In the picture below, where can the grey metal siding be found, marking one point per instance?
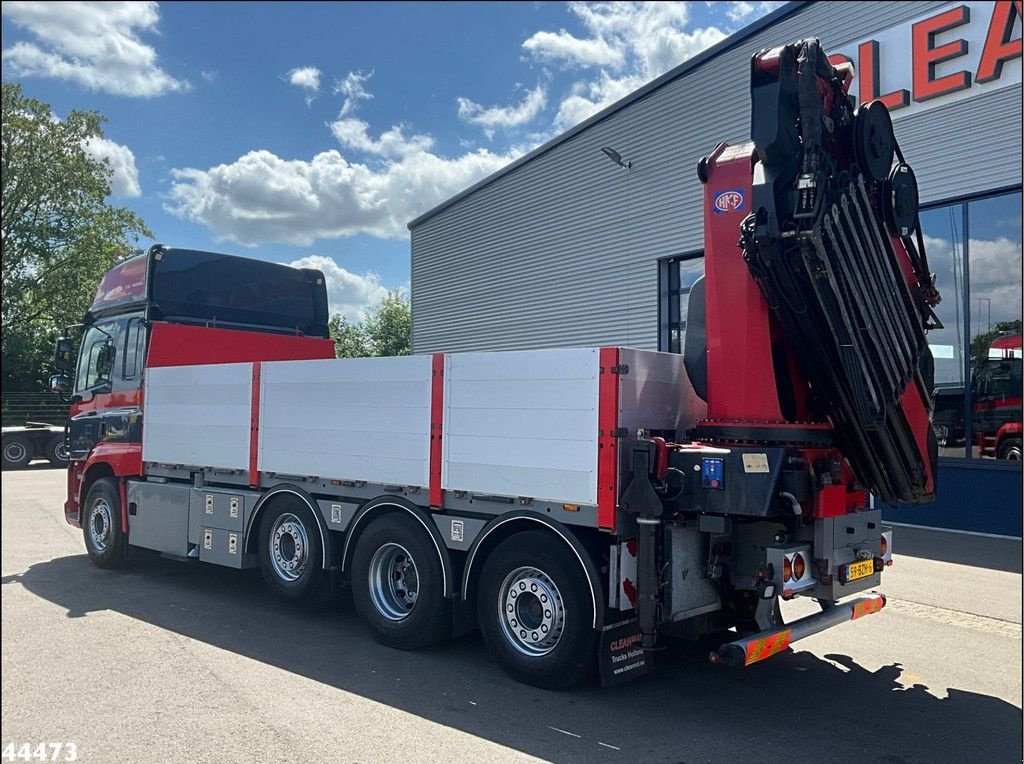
(562, 251)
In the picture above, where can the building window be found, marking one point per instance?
(676, 276)
(943, 229)
(994, 286)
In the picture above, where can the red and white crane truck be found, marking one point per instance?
(573, 504)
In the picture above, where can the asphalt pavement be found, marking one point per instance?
(166, 661)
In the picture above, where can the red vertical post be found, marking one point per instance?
(254, 425)
(436, 419)
(607, 441)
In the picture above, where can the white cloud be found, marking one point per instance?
(96, 45)
(353, 87)
(307, 78)
(631, 42)
(746, 11)
(349, 294)
(353, 133)
(992, 261)
(587, 98)
(563, 46)
(494, 117)
(124, 179)
(261, 197)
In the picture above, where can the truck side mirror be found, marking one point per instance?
(60, 384)
(63, 354)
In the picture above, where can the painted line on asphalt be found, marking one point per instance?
(982, 623)
(951, 530)
(564, 732)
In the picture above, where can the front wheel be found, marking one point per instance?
(1010, 449)
(104, 535)
(536, 612)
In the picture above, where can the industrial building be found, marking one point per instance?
(568, 247)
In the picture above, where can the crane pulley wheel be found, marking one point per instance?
(873, 138)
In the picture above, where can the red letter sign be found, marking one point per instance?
(867, 60)
(927, 56)
(999, 48)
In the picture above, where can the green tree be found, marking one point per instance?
(349, 339)
(384, 331)
(58, 233)
(389, 325)
(980, 343)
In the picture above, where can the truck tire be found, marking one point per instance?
(398, 584)
(535, 611)
(57, 451)
(17, 452)
(291, 553)
(101, 524)
(1010, 449)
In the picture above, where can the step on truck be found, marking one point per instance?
(575, 505)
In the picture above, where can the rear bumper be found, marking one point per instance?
(757, 647)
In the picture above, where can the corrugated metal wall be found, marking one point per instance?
(563, 250)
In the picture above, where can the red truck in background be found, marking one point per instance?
(996, 411)
(996, 401)
(573, 504)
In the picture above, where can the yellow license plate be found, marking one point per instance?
(861, 569)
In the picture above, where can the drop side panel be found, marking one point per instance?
(354, 418)
(522, 424)
(198, 415)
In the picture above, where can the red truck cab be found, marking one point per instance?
(174, 307)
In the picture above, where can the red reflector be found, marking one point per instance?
(885, 546)
(787, 569)
(799, 566)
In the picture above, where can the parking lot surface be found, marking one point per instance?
(166, 661)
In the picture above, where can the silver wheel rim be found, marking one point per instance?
(531, 611)
(394, 581)
(289, 547)
(100, 524)
(1013, 454)
(15, 452)
(61, 451)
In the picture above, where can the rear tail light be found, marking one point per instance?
(787, 569)
(885, 545)
(799, 566)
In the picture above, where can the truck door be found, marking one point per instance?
(105, 406)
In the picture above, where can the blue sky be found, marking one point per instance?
(313, 132)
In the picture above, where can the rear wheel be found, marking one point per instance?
(17, 452)
(57, 451)
(101, 525)
(292, 554)
(398, 584)
(535, 611)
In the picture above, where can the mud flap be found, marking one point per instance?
(621, 656)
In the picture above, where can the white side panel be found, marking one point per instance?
(522, 424)
(354, 418)
(656, 394)
(198, 415)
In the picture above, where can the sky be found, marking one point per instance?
(312, 133)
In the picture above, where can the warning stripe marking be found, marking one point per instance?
(867, 608)
(766, 647)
